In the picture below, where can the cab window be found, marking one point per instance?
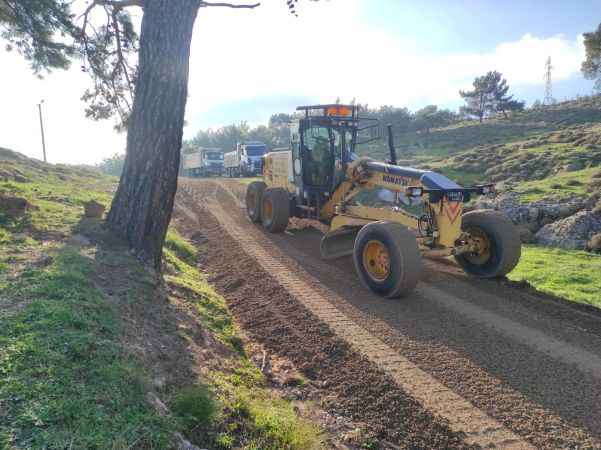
(318, 159)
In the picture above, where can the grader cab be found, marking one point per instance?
(384, 215)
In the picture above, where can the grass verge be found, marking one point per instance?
(234, 407)
(574, 275)
(69, 374)
(67, 381)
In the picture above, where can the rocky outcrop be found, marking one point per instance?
(568, 223)
(12, 174)
(573, 232)
(535, 215)
(14, 206)
(93, 209)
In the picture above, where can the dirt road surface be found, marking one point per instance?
(461, 363)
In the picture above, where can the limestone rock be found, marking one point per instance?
(594, 245)
(15, 206)
(573, 232)
(573, 166)
(93, 209)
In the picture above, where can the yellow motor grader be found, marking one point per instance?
(386, 216)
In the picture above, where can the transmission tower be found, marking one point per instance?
(548, 83)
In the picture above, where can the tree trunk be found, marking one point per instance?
(142, 206)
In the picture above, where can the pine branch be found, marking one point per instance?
(204, 4)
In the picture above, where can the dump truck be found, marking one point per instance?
(386, 216)
(203, 162)
(246, 160)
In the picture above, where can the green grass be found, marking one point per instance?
(461, 177)
(182, 248)
(574, 275)
(67, 380)
(243, 413)
(58, 192)
(269, 422)
(211, 307)
(558, 186)
(195, 405)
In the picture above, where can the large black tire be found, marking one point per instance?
(503, 245)
(275, 209)
(254, 198)
(403, 256)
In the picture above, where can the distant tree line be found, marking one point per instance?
(488, 97)
(277, 133)
(112, 165)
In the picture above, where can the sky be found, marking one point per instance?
(247, 65)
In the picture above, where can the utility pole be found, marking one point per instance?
(42, 129)
(548, 83)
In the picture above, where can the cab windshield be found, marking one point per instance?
(214, 156)
(255, 151)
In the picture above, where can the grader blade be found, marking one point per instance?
(339, 243)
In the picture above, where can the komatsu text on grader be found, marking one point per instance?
(385, 215)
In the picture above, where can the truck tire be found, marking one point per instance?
(275, 209)
(501, 248)
(387, 259)
(254, 198)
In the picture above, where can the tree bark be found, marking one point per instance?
(142, 206)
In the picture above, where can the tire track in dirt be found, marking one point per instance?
(480, 429)
(551, 415)
(537, 340)
(350, 385)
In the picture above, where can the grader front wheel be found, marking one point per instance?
(387, 259)
(498, 244)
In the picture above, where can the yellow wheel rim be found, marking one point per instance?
(483, 247)
(376, 260)
(267, 209)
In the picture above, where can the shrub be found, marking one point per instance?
(194, 405)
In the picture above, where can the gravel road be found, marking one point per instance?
(465, 362)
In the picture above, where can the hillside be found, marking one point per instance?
(549, 129)
(97, 352)
(545, 153)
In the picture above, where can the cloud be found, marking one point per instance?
(240, 57)
(329, 52)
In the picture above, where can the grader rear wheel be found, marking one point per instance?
(254, 198)
(387, 259)
(498, 242)
(275, 209)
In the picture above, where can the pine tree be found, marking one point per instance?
(480, 100)
(591, 67)
(41, 30)
(148, 96)
(489, 95)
